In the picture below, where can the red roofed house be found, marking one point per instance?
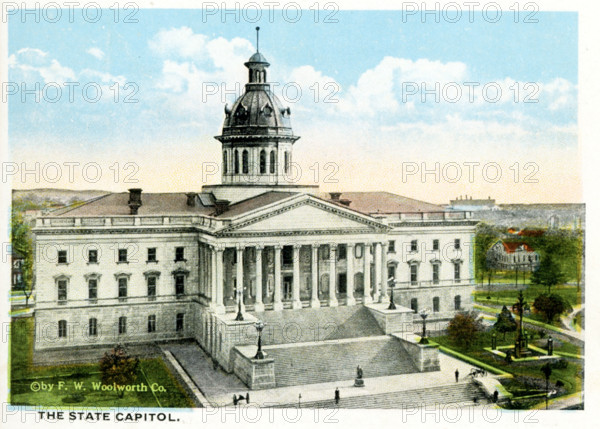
(513, 256)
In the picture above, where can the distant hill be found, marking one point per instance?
(50, 197)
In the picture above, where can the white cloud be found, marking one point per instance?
(96, 52)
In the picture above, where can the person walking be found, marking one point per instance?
(456, 375)
(337, 396)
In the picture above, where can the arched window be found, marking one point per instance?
(272, 162)
(225, 162)
(245, 161)
(436, 304)
(236, 162)
(286, 164)
(457, 302)
(62, 329)
(263, 162)
(93, 327)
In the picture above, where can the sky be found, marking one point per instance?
(382, 100)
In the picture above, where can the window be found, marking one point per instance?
(62, 290)
(179, 284)
(236, 162)
(245, 162)
(414, 274)
(263, 162)
(436, 304)
(151, 286)
(122, 325)
(457, 243)
(414, 306)
(392, 246)
(342, 251)
(62, 256)
(436, 274)
(457, 271)
(92, 256)
(62, 329)
(179, 322)
(413, 246)
(391, 271)
(179, 254)
(122, 287)
(436, 244)
(224, 162)
(152, 323)
(288, 255)
(287, 162)
(272, 162)
(122, 255)
(457, 302)
(92, 288)
(152, 254)
(359, 250)
(93, 327)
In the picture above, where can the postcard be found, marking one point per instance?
(294, 212)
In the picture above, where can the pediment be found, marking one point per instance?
(307, 215)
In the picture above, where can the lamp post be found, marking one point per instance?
(260, 325)
(391, 283)
(547, 370)
(519, 306)
(424, 313)
(239, 316)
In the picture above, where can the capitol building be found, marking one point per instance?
(206, 265)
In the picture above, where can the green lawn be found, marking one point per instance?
(509, 297)
(78, 388)
(527, 377)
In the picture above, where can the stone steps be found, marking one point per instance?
(317, 324)
(459, 393)
(333, 361)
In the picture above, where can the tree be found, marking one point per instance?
(485, 236)
(505, 322)
(550, 306)
(549, 273)
(118, 368)
(21, 242)
(464, 328)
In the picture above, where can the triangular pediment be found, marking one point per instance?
(304, 215)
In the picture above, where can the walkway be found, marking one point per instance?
(219, 387)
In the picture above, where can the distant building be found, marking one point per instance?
(468, 203)
(512, 256)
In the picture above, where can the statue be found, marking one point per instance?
(358, 381)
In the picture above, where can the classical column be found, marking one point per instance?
(240, 275)
(218, 280)
(333, 302)
(259, 306)
(367, 298)
(314, 301)
(383, 297)
(296, 282)
(350, 274)
(277, 304)
(377, 268)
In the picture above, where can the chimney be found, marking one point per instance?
(191, 199)
(135, 200)
(335, 196)
(345, 202)
(221, 206)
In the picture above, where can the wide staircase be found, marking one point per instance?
(335, 360)
(459, 394)
(321, 324)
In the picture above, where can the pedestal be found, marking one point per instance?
(359, 382)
